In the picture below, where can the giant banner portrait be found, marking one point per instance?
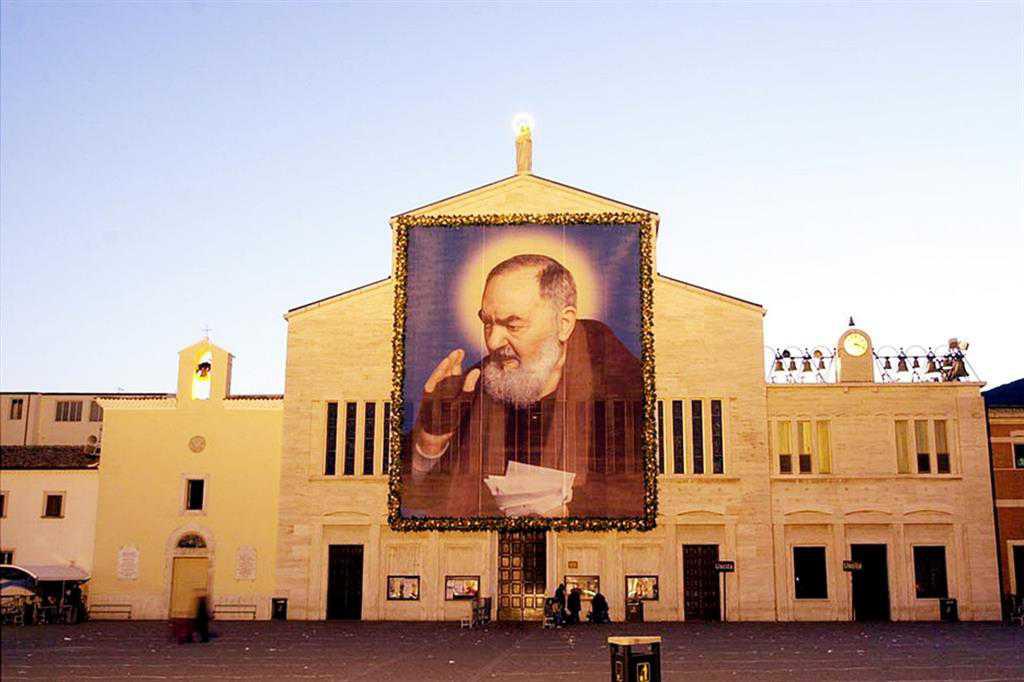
(523, 373)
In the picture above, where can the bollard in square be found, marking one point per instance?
(634, 611)
(631, 664)
(948, 610)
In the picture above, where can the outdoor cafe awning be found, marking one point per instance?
(55, 572)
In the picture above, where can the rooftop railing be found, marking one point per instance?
(892, 364)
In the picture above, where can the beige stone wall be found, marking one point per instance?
(865, 499)
(340, 351)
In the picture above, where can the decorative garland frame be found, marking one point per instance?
(646, 225)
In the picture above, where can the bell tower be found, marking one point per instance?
(204, 373)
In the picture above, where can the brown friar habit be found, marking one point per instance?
(590, 425)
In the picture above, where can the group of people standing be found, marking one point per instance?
(565, 608)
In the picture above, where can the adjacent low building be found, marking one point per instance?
(48, 509)
(53, 418)
(1005, 406)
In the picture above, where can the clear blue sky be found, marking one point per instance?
(169, 166)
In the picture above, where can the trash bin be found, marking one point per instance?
(631, 664)
(279, 608)
(948, 611)
(634, 611)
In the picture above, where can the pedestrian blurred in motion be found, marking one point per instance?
(203, 618)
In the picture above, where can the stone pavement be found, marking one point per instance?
(513, 652)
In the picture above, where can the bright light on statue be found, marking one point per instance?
(522, 123)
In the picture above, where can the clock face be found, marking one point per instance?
(856, 344)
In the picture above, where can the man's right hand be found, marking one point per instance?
(445, 384)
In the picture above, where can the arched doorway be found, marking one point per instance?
(190, 574)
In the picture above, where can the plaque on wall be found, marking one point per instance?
(245, 563)
(128, 563)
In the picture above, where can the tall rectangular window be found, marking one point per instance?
(698, 435)
(195, 494)
(678, 450)
(350, 439)
(637, 451)
(941, 448)
(600, 445)
(386, 447)
(924, 458)
(661, 436)
(53, 505)
(717, 438)
(331, 446)
(3, 505)
(824, 448)
(68, 411)
(618, 436)
(930, 573)
(1018, 455)
(369, 437)
(95, 412)
(902, 446)
(784, 446)
(809, 573)
(6, 556)
(803, 437)
(17, 406)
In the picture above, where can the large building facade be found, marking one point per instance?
(786, 481)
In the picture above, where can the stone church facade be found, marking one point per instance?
(810, 475)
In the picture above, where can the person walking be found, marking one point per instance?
(574, 605)
(202, 622)
(599, 609)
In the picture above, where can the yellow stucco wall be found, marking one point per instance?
(145, 462)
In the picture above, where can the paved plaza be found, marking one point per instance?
(436, 651)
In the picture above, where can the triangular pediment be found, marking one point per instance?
(524, 193)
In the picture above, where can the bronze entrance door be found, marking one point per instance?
(700, 583)
(522, 575)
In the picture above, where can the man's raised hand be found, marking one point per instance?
(445, 383)
(443, 376)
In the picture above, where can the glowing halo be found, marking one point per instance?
(523, 123)
(503, 243)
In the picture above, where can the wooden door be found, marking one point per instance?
(189, 581)
(522, 575)
(701, 600)
(345, 582)
(1018, 568)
